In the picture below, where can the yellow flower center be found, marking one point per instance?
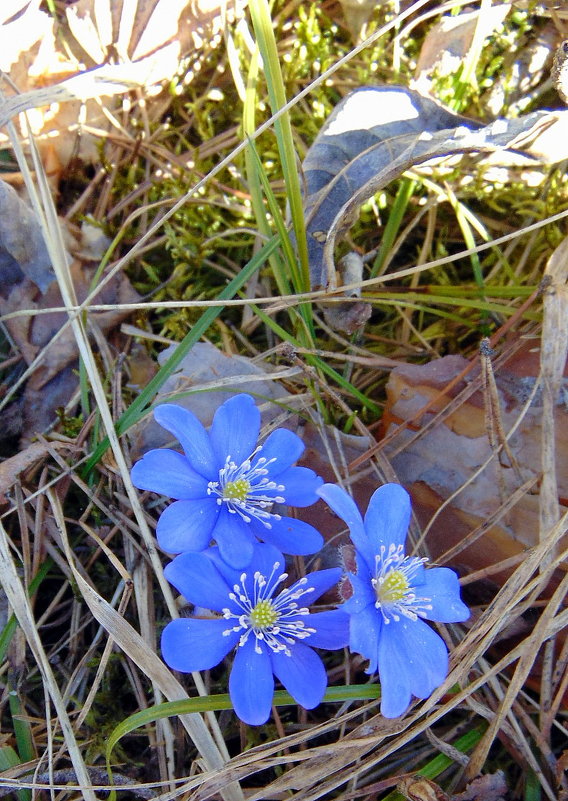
(236, 490)
(393, 588)
(264, 614)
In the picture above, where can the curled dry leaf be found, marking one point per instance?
(372, 137)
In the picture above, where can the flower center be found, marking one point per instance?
(236, 490)
(264, 614)
(393, 585)
(275, 621)
(393, 588)
(247, 489)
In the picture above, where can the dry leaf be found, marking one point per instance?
(372, 137)
(206, 367)
(22, 247)
(448, 42)
(463, 440)
(14, 466)
(357, 13)
(136, 44)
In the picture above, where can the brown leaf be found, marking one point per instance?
(491, 787)
(447, 43)
(417, 788)
(418, 393)
(13, 467)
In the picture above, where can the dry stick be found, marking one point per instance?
(20, 604)
(493, 419)
(61, 779)
(554, 346)
(526, 662)
(559, 684)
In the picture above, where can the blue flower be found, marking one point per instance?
(392, 596)
(225, 485)
(270, 627)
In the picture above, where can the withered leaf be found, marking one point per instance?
(373, 136)
(22, 247)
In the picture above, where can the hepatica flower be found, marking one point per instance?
(393, 595)
(270, 627)
(225, 484)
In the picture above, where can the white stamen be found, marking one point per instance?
(244, 489)
(283, 631)
(393, 585)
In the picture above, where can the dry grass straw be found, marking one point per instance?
(356, 746)
(211, 748)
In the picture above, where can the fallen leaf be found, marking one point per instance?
(22, 247)
(111, 46)
(448, 42)
(14, 466)
(418, 393)
(372, 137)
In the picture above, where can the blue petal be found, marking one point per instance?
(190, 644)
(364, 632)
(187, 525)
(318, 582)
(300, 486)
(251, 685)
(197, 579)
(235, 428)
(413, 660)
(191, 435)
(441, 585)
(168, 473)
(234, 538)
(231, 575)
(289, 535)
(344, 506)
(284, 447)
(388, 516)
(266, 560)
(302, 674)
(332, 629)
(363, 594)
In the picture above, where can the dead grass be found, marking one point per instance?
(83, 578)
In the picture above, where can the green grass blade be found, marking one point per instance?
(216, 703)
(22, 728)
(262, 23)
(405, 191)
(253, 173)
(306, 332)
(9, 759)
